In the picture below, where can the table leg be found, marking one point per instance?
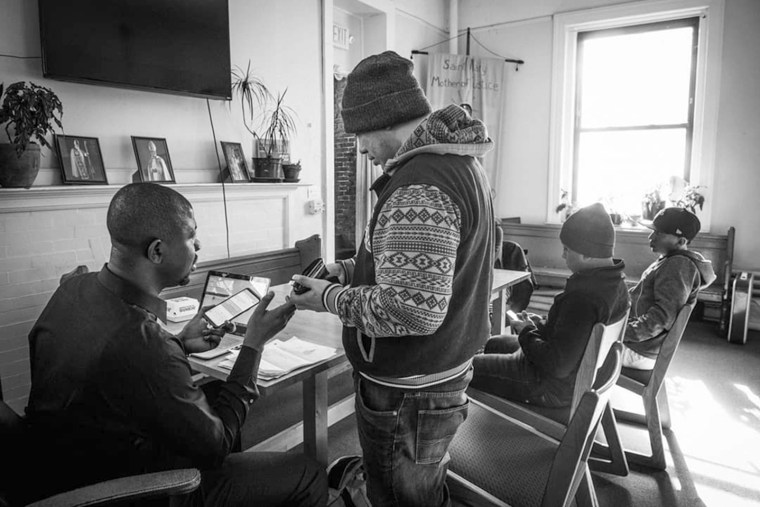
(315, 417)
(498, 324)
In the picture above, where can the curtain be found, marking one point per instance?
(479, 82)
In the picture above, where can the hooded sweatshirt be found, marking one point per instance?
(669, 283)
(416, 309)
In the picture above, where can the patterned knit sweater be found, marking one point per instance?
(425, 238)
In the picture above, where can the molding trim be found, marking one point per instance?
(23, 200)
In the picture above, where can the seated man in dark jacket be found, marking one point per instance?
(669, 283)
(539, 365)
(112, 391)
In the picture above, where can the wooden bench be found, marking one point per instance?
(545, 256)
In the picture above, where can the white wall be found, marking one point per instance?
(523, 29)
(50, 228)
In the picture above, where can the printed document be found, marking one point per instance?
(281, 357)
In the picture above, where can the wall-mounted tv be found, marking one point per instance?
(173, 46)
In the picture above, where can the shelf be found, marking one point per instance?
(54, 197)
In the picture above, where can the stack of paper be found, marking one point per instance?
(281, 357)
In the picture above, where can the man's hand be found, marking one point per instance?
(524, 319)
(199, 336)
(312, 298)
(335, 269)
(264, 324)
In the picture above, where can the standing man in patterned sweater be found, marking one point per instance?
(415, 300)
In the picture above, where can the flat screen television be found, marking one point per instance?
(173, 46)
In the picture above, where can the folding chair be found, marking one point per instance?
(649, 384)
(554, 421)
(504, 462)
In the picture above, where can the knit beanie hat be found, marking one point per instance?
(589, 231)
(381, 92)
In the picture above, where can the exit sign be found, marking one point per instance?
(340, 36)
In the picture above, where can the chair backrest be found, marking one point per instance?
(599, 345)
(309, 248)
(570, 462)
(668, 348)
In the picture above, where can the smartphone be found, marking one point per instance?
(316, 269)
(238, 303)
(512, 315)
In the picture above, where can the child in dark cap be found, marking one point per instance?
(539, 365)
(669, 283)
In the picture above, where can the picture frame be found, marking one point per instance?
(153, 161)
(81, 160)
(237, 165)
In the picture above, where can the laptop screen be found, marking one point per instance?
(221, 285)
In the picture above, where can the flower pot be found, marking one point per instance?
(19, 172)
(650, 209)
(291, 171)
(268, 169)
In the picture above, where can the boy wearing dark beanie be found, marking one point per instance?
(414, 300)
(539, 365)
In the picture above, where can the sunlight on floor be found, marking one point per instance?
(722, 450)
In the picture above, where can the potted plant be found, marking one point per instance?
(565, 206)
(273, 144)
(692, 198)
(291, 171)
(253, 94)
(652, 204)
(30, 111)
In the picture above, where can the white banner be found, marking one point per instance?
(479, 82)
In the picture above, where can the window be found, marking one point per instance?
(634, 111)
(634, 101)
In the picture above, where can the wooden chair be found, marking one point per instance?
(649, 384)
(503, 462)
(554, 421)
(20, 476)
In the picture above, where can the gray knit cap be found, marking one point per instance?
(589, 231)
(381, 92)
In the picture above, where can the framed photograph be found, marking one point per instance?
(153, 162)
(237, 166)
(81, 161)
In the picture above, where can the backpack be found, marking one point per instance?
(347, 484)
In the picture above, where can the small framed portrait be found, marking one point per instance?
(153, 162)
(237, 166)
(81, 161)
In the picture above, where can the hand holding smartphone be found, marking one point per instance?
(231, 307)
(316, 269)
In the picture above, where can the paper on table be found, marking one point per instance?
(281, 357)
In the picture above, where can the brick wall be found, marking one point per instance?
(345, 177)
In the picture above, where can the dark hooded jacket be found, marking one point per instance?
(669, 283)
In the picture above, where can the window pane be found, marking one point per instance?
(636, 79)
(620, 167)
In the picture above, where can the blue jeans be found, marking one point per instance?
(504, 370)
(405, 436)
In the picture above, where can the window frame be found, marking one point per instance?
(568, 26)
